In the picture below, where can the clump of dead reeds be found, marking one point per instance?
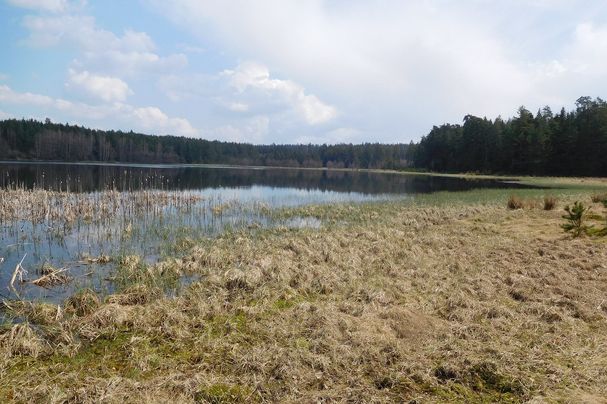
(34, 312)
(549, 202)
(515, 202)
(51, 276)
(597, 198)
(21, 339)
(135, 295)
(82, 304)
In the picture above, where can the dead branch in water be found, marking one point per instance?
(18, 271)
(54, 277)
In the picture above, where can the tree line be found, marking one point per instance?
(568, 143)
(35, 140)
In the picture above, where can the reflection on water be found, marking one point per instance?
(94, 211)
(96, 177)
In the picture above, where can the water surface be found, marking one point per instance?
(149, 210)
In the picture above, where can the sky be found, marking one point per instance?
(296, 71)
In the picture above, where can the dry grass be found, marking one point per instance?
(549, 202)
(464, 303)
(516, 202)
(597, 198)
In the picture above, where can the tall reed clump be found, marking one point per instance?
(596, 198)
(514, 202)
(575, 219)
(549, 202)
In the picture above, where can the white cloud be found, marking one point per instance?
(325, 70)
(190, 48)
(45, 5)
(339, 135)
(253, 130)
(80, 31)
(152, 118)
(4, 115)
(256, 77)
(396, 68)
(130, 54)
(147, 119)
(103, 87)
(238, 106)
(588, 49)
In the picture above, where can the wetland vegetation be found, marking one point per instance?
(321, 295)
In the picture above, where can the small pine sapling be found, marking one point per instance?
(575, 219)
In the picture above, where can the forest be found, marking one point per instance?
(567, 143)
(34, 140)
(570, 143)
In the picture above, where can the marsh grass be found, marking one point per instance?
(514, 202)
(436, 299)
(84, 234)
(598, 197)
(446, 297)
(549, 202)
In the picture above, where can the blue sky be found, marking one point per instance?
(287, 71)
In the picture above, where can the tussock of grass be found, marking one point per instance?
(549, 202)
(514, 202)
(385, 302)
(82, 304)
(597, 198)
(20, 340)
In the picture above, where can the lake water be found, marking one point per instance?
(116, 210)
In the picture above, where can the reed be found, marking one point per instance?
(458, 302)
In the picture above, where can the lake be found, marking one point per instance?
(80, 218)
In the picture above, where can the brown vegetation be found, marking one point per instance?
(549, 202)
(390, 302)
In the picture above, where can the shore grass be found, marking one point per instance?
(447, 297)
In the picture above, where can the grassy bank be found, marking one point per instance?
(450, 297)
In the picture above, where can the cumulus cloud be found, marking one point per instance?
(147, 119)
(45, 5)
(256, 77)
(80, 31)
(237, 106)
(131, 53)
(253, 130)
(152, 118)
(395, 69)
(328, 70)
(338, 135)
(103, 87)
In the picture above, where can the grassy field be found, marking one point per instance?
(448, 297)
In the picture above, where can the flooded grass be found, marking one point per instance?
(178, 296)
(86, 235)
(387, 301)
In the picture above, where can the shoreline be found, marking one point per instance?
(524, 179)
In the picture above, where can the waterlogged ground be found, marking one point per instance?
(86, 235)
(68, 227)
(453, 298)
